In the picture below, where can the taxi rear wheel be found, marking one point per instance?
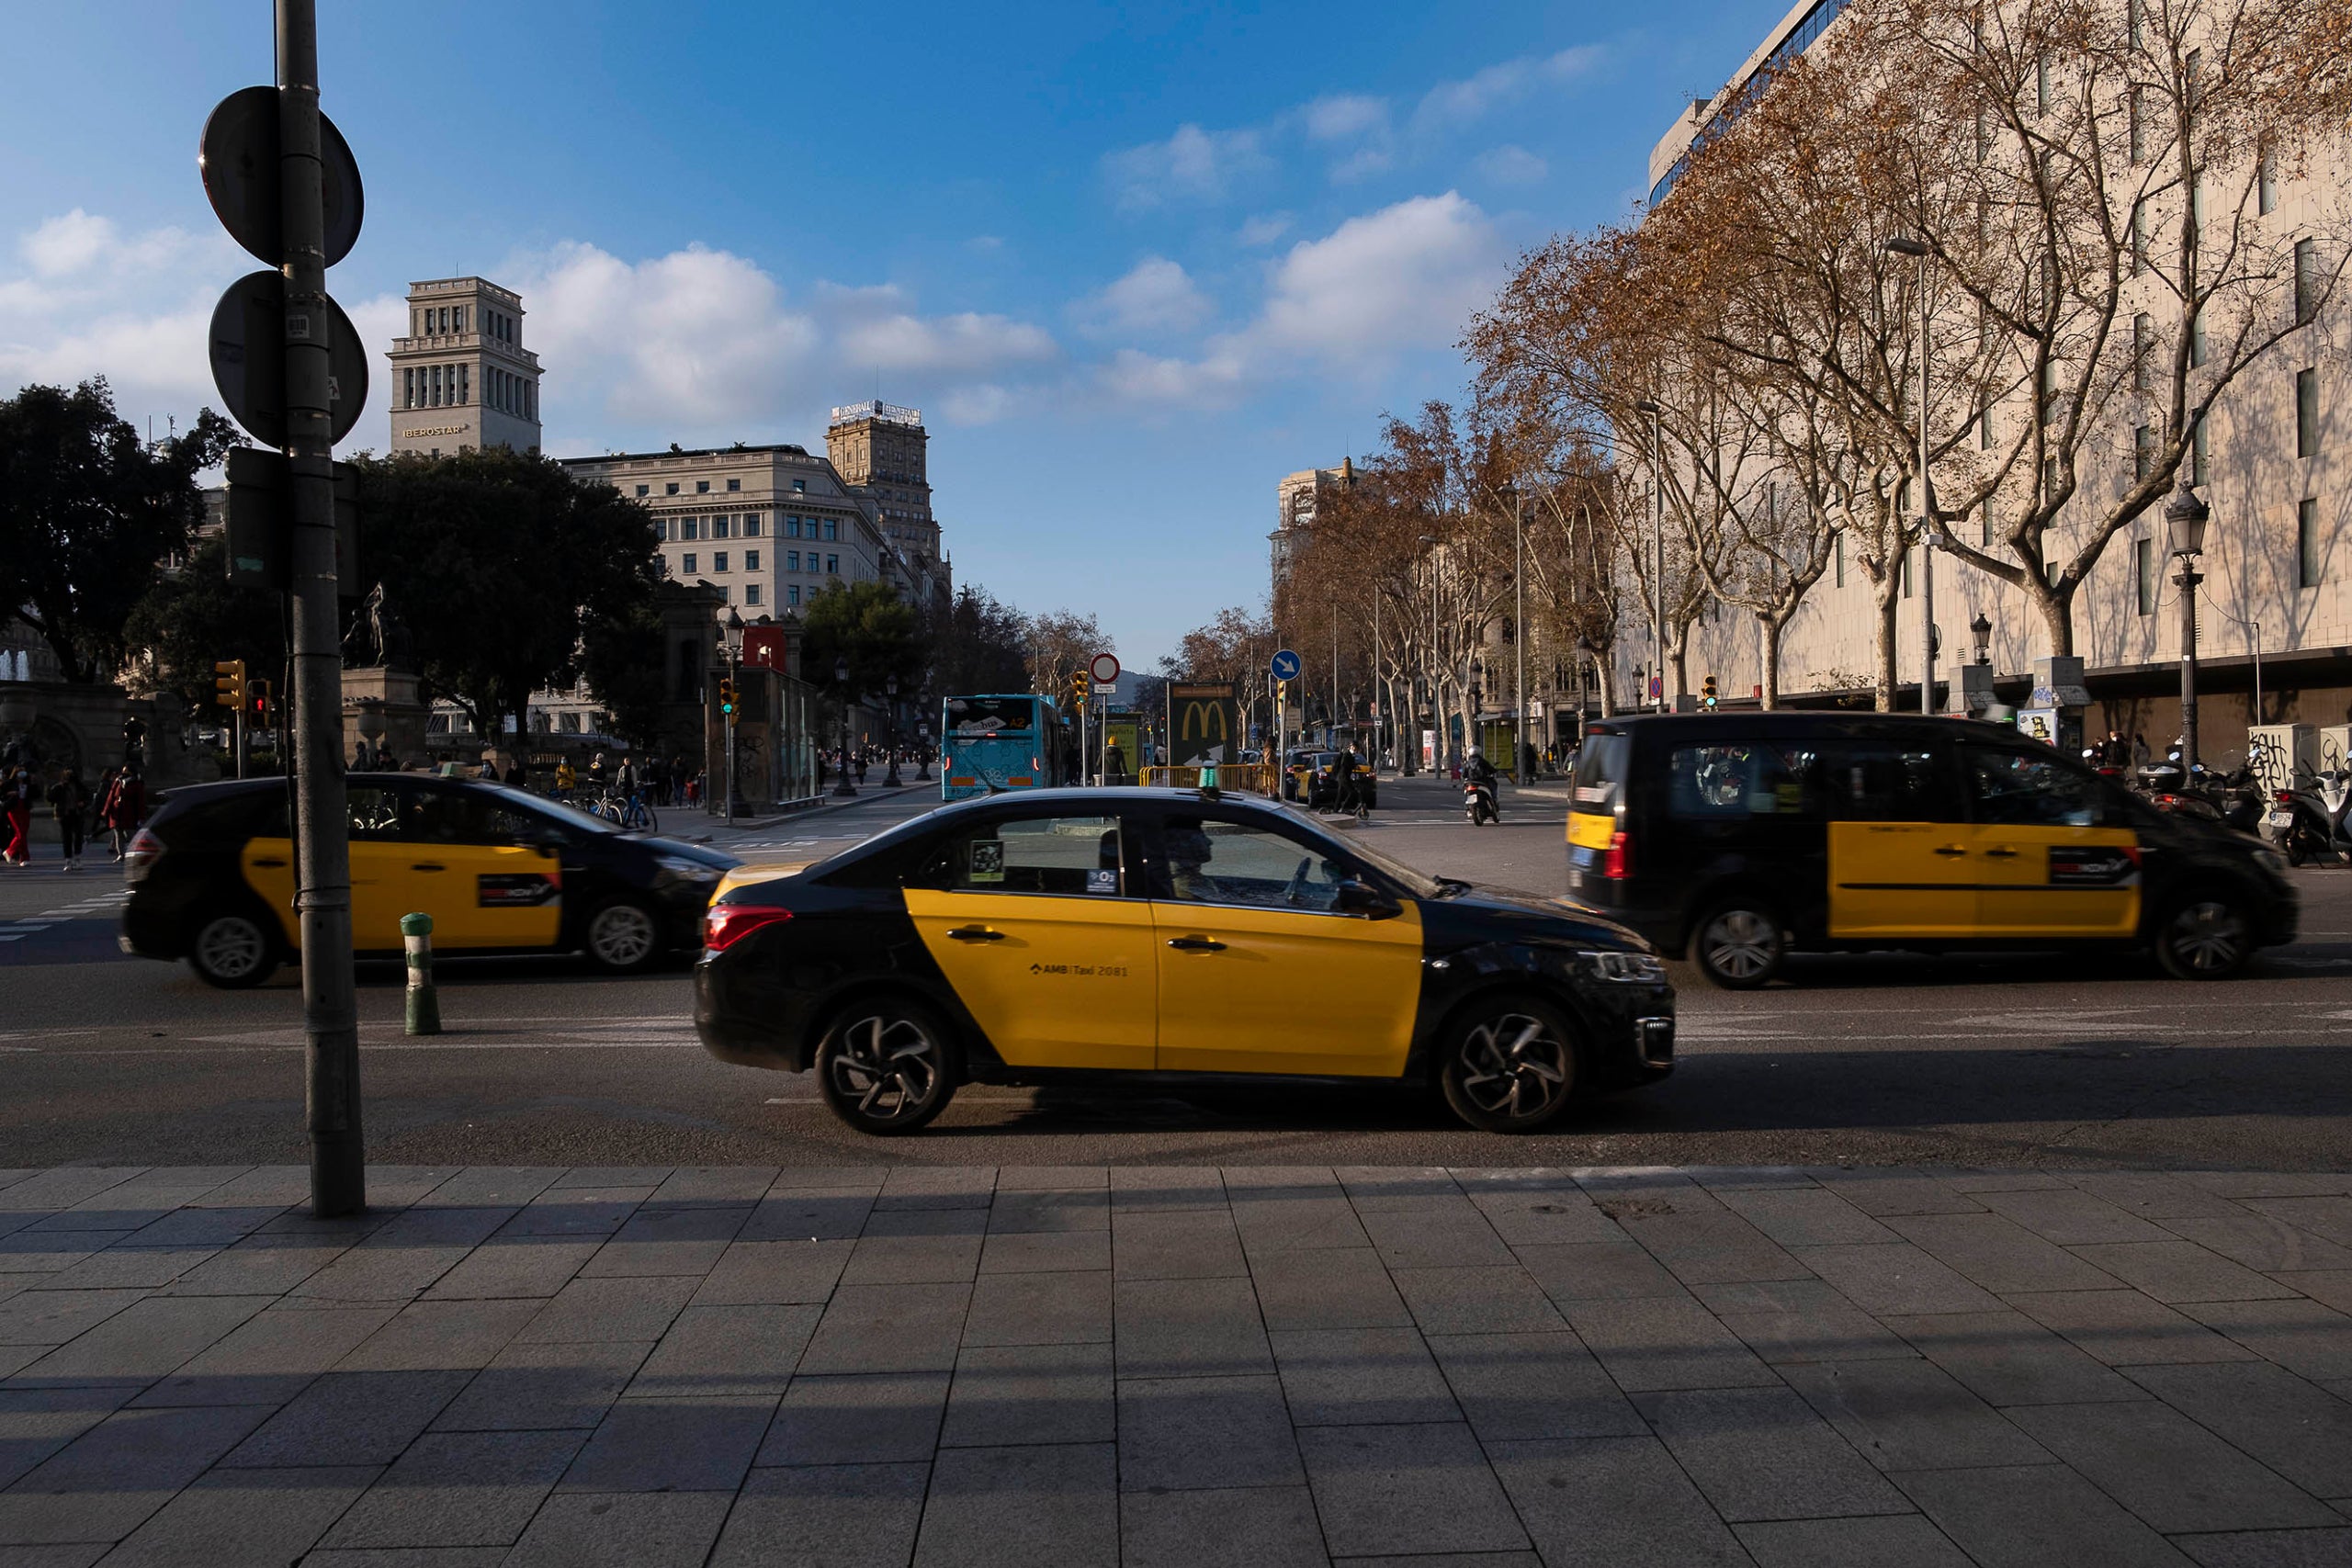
(886, 1066)
(623, 937)
(1740, 945)
(232, 949)
(2206, 936)
(1510, 1065)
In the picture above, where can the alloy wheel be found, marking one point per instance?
(886, 1068)
(621, 936)
(1514, 1065)
(2208, 937)
(1741, 945)
(231, 947)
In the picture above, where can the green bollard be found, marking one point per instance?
(423, 1003)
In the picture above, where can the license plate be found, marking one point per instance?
(1583, 855)
(2280, 819)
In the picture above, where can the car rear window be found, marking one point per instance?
(1735, 779)
(1599, 780)
(222, 820)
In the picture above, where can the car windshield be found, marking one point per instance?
(569, 815)
(1419, 883)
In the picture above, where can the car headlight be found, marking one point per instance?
(1627, 968)
(684, 870)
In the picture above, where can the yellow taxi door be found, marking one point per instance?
(377, 869)
(1902, 862)
(2048, 864)
(1032, 923)
(472, 866)
(1258, 973)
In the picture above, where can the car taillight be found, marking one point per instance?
(723, 925)
(138, 857)
(1618, 863)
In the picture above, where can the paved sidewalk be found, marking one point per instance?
(949, 1365)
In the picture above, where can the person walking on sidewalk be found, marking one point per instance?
(122, 807)
(16, 816)
(68, 802)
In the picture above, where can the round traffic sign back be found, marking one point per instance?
(238, 158)
(1105, 667)
(248, 353)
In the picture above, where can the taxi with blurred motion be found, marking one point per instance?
(1742, 838)
(1168, 935)
(500, 871)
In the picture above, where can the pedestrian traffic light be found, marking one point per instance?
(228, 684)
(726, 696)
(261, 700)
(1707, 693)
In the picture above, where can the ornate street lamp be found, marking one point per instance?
(922, 752)
(1981, 629)
(733, 638)
(844, 789)
(890, 729)
(2184, 520)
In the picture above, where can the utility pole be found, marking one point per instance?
(1905, 245)
(1657, 528)
(1518, 637)
(322, 853)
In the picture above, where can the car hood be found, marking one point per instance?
(701, 854)
(1557, 921)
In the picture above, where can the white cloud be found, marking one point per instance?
(1264, 229)
(1195, 165)
(1345, 115)
(1142, 380)
(1459, 103)
(1510, 165)
(1156, 297)
(1407, 277)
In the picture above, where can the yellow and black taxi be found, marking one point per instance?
(1180, 934)
(1741, 838)
(1314, 779)
(499, 870)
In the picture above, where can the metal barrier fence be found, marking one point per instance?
(1240, 778)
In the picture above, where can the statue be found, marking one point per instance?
(386, 640)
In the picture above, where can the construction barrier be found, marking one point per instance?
(1235, 778)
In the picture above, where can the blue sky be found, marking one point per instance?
(1135, 261)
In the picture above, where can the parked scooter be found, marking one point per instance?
(1478, 803)
(2308, 824)
(2235, 795)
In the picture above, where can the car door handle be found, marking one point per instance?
(2000, 855)
(427, 866)
(1195, 944)
(269, 865)
(1950, 849)
(976, 934)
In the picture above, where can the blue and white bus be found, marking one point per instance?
(990, 744)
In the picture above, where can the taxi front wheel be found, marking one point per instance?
(623, 937)
(2206, 936)
(1740, 945)
(1510, 1065)
(886, 1066)
(232, 949)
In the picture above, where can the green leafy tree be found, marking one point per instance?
(868, 624)
(88, 514)
(194, 615)
(509, 572)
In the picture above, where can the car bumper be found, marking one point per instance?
(741, 1019)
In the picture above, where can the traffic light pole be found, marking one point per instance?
(322, 902)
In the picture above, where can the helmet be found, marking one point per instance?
(1474, 751)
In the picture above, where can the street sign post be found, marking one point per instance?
(289, 364)
(259, 532)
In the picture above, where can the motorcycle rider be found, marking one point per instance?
(1477, 769)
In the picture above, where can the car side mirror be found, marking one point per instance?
(1355, 898)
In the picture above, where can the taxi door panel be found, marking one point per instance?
(376, 870)
(1028, 919)
(1901, 861)
(467, 864)
(1258, 973)
(1287, 991)
(2046, 866)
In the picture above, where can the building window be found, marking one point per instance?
(832, 528)
(2307, 413)
(792, 560)
(2139, 237)
(2144, 451)
(643, 489)
(1906, 574)
(734, 484)
(2265, 184)
(408, 389)
(2143, 333)
(465, 384)
(2201, 454)
(751, 560)
(669, 490)
(719, 561)
(2042, 85)
(2138, 132)
(702, 487)
(750, 524)
(1984, 431)
(2143, 575)
(792, 592)
(750, 594)
(2307, 561)
(688, 564)
(2306, 283)
(2196, 341)
(834, 565)
(719, 528)
(799, 487)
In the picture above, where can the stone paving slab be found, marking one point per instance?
(1275, 1365)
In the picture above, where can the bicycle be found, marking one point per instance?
(631, 814)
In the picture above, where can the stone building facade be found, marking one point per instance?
(461, 377)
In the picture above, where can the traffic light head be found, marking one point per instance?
(1707, 693)
(261, 698)
(228, 683)
(726, 696)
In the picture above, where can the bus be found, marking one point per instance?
(990, 744)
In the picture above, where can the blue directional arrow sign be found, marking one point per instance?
(1286, 665)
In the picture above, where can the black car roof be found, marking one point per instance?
(222, 789)
(1796, 721)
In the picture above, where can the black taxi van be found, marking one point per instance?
(1741, 838)
(1170, 935)
(500, 871)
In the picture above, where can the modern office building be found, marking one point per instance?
(461, 377)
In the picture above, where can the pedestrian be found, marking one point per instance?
(122, 807)
(516, 777)
(16, 816)
(68, 802)
(566, 781)
(1114, 762)
(861, 767)
(597, 775)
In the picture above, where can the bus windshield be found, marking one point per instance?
(990, 744)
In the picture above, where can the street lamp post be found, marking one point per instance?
(1905, 245)
(1657, 527)
(734, 639)
(923, 751)
(2184, 520)
(1478, 699)
(890, 688)
(1980, 631)
(844, 789)
(1436, 739)
(1518, 635)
